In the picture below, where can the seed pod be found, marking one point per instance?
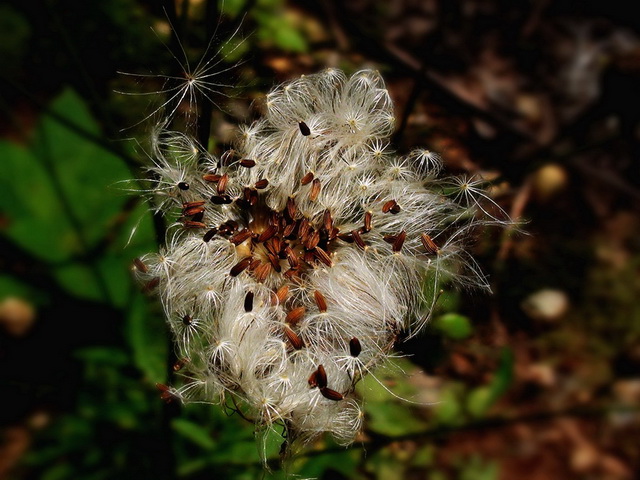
(240, 267)
(386, 208)
(331, 394)
(183, 185)
(323, 256)
(429, 245)
(268, 232)
(399, 241)
(295, 315)
(211, 177)
(241, 236)
(315, 190)
(248, 302)
(307, 178)
(295, 341)
(140, 265)
(321, 302)
(247, 163)
(304, 129)
(222, 184)
(367, 221)
(261, 184)
(354, 347)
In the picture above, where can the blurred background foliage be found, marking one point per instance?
(540, 380)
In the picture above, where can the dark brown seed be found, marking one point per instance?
(388, 206)
(346, 237)
(191, 211)
(222, 184)
(192, 224)
(321, 376)
(307, 178)
(295, 341)
(358, 239)
(275, 262)
(255, 263)
(313, 379)
(304, 129)
(221, 199)
(288, 230)
(248, 302)
(292, 275)
(395, 209)
(268, 232)
(262, 184)
(312, 241)
(303, 228)
(187, 320)
(166, 393)
(429, 245)
(399, 241)
(241, 236)
(262, 272)
(183, 186)
(315, 190)
(367, 221)
(295, 315)
(247, 163)
(179, 364)
(193, 204)
(309, 257)
(327, 221)
(320, 301)
(292, 258)
(227, 157)
(390, 238)
(140, 265)
(211, 177)
(240, 267)
(151, 285)
(210, 234)
(354, 347)
(333, 233)
(291, 208)
(271, 246)
(331, 394)
(323, 256)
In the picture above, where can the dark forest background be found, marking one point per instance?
(540, 380)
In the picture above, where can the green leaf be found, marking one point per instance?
(194, 433)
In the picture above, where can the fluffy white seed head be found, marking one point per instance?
(297, 258)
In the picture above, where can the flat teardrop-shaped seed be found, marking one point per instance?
(240, 267)
(331, 394)
(304, 129)
(399, 241)
(248, 302)
(321, 302)
(354, 347)
(429, 245)
(295, 315)
(295, 341)
(307, 178)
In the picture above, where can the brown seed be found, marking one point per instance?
(358, 239)
(292, 258)
(272, 245)
(289, 230)
(312, 241)
(346, 237)
(304, 129)
(183, 185)
(331, 394)
(240, 267)
(247, 163)
(315, 190)
(291, 208)
(275, 262)
(295, 315)
(388, 206)
(192, 224)
(303, 229)
(313, 379)
(295, 341)
(429, 245)
(227, 157)
(354, 347)
(222, 184)
(281, 294)
(321, 376)
(261, 184)
(292, 275)
(211, 177)
(191, 211)
(193, 204)
(262, 272)
(333, 233)
(241, 236)
(268, 232)
(320, 301)
(309, 258)
(151, 285)
(390, 238)
(327, 221)
(367, 221)
(323, 256)
(210, 234)
(140, 265)
(221, 199)
(395, 209)
(307, 178)
(399, 241)
(248, 302)
(180, 364)
(187, 320)
(166, 393)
